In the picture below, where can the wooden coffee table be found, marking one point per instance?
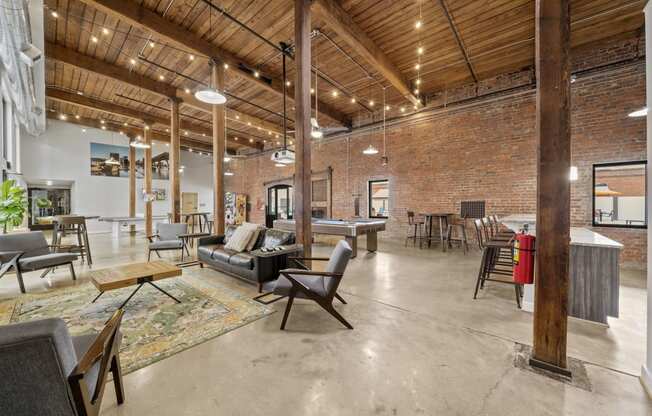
(133, 274)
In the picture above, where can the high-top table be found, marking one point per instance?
(443, 219)
(594, 272)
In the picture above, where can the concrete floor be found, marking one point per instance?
(421, 346)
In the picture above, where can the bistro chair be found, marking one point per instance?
(318, 286)
(415, 229)
(456, 233)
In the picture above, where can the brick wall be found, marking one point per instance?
(482, 150)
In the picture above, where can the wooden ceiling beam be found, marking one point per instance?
(118, 110)
(458, 39)
(148, 20)
(341, 22)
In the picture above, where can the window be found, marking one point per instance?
(379, 199)
(619, 194)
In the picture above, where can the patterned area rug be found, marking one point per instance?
(154, 326)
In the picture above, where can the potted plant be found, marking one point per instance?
(43, 204)
(13, 205)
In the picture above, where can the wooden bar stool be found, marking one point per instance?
(417, 225)
(72, 224)
(456, 232)
(490, 265)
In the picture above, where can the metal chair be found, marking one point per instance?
(318, 286)
(168, 237)
(456, 233)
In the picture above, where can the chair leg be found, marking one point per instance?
(518, 295)
(117, 379)
(293, 293)
(181, 253)
(340, 298)
(149, 255)
(72, 271)
(480, 273)
(157, 253)
(19, 276)
(329, 307)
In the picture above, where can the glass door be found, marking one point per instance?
(279, 204)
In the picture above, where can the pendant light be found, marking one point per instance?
(371, 150)
(210, 94)
(285, 156)
(315, 132)
(139, 143)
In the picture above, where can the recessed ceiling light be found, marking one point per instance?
(191, 57)
(335, 93)
(371, 103)
(226, 66)
(161, 77)
(417, 67)
(256, 74)
(94, 39)
(151, 44)
(132, 61)
(352, 100)
(420, 50)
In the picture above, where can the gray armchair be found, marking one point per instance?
(25, 252)
(45, 371)
(168, 237)
(318, 286)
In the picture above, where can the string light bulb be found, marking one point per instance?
(417, 66)
(371, 103)
(226, 66)
(418, 24)
(132, 61)
(418, 81)
(312, 90)
(151, 44)
(105, 31)
(420, 50)
(256, 74)
(54, 14)
(335, 93)
(352, 100)
(94, 39)
(191, 57)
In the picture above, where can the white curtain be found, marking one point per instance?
(16, 77)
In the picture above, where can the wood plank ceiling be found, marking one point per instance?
(477, 39)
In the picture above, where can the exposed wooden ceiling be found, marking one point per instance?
(463, 41)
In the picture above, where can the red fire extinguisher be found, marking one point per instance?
(523, 259)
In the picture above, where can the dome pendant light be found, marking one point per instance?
(210, 94)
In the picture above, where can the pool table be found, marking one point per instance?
(349, 229)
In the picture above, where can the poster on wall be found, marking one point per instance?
(113, 160)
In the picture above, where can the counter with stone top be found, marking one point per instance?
(594, 271)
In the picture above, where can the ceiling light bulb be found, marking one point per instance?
(235, 138)
(151, 44)
(418, 81)
(80, 93)
(639, 113)
(371, 103)
(256, 74)
(251, 140)
(371, 150)
(63, 117)
(105, 31)
(335, 93)
(417, 67)
(94, 39)
(190, 149)
(77, 116)
(125, 124)
(416, 91)
(83, 130)
(185, 133)
(352, 100)
(415, 107)
(187, 90)
(248, 123)
(191, 57)
(387, 108)
(146, 127)
(420, 50)
(312, 90)
(226, 66)
(417, 25)
(402, 109)
(101, 121)
(54, 14)
(227, 159)
(269, 133)
(132, 61)
(161, 77)
(287, 83)
(167, 130)
(237, 117)
(103, 127)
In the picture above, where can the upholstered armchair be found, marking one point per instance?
(45, 371)
(168, 237)
(23, 252)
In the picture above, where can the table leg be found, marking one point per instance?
(441, 233)
(116, 229)
(429, 231)
(372, 241)
(97, 297)
(165, 293)
(353, 242)
(130, 296)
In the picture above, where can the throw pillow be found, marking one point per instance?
(254, 237)
(240, 239)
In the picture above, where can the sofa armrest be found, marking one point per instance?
(285, 250)
(211, 239)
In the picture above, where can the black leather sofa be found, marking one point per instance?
(256, 266)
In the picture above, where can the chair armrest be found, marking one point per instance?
(211, 239)
(10, 256)
(98, 347)
(286, 272)
(151, 237)
(193, 235)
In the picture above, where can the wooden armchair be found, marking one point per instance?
(319, 286)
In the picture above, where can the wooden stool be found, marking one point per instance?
(491, 264)
(417, 224)
(456, 232)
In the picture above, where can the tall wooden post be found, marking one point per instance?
(302, 175)
(553, 184)
(175, 163)
(148, 178)
(219, 137)
(132, 185)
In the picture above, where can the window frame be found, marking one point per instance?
(610, 164)
(369, 185)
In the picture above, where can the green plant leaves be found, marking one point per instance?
(13, 204)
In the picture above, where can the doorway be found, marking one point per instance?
(279, 204)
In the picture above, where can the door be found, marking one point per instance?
(279, 204)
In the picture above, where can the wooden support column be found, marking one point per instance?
(302, 174)
(175, 163)
(148, 178)
(132, 185)
(219, 136)
(553, 184)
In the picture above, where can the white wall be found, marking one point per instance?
(62, 153)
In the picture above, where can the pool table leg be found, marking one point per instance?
(372, 241)
(353, 242)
